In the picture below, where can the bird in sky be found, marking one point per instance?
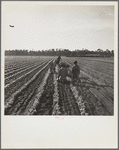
(11, 26)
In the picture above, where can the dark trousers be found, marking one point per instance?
(76, 77)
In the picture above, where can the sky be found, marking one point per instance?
(39, 26)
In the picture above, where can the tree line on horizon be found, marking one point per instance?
(61, 52)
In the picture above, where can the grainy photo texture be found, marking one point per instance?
(58, 59)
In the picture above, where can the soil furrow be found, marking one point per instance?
(67, 101)
(16, 85)
(45, 106)
(93, 105)
(22, 95)
(18, 74)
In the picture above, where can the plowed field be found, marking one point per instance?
(32, 89)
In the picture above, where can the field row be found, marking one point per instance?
(101, 91)
(35, 91)
(100, 71)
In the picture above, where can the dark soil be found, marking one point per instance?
(46, 101)
(22, 100)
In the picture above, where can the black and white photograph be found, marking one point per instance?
(59, 59)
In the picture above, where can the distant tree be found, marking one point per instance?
(108, 51)
(53, 50)
(112, 51)
(99, 50)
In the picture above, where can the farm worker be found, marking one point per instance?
(63, 73)
(58, 60)
(76, 72)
